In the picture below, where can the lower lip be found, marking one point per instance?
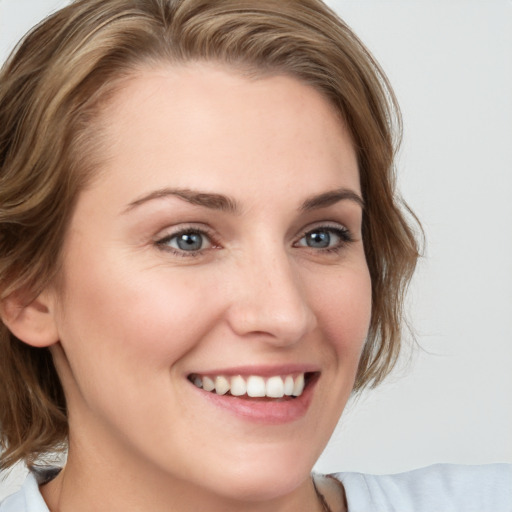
(271, 411)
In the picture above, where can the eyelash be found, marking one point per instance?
(162, 243)
(344, 235)
(341, 232)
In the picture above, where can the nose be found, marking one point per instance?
(270, 300)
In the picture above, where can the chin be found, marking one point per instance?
(263, 483)
(264, 473)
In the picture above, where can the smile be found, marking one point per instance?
(254, 386)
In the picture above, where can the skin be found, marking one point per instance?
(133, 317)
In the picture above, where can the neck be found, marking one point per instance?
(106, 473)
(81, 487)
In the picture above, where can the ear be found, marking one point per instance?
(31, 322)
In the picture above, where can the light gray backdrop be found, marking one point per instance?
(451, 65)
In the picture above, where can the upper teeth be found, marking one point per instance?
(253, 386)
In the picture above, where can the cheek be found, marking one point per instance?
(121, 325)
(343, 310)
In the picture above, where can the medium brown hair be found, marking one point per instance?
(51, 91)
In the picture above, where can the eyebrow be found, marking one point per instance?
(227, 204)
(205, 199)
(329, 198)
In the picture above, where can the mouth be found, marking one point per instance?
(275, 387)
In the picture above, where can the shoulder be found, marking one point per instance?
(442, 487)
(27, 499)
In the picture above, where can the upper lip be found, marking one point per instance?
(260, 370)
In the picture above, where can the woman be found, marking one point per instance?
(202, 257)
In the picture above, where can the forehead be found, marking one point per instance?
(206, 126)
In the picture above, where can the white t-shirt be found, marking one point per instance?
(438, 488)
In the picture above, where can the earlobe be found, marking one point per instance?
(31, 322)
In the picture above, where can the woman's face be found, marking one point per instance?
(219, 245)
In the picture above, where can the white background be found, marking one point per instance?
(451, 65)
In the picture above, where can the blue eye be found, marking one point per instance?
(325, 238)
(187, 241)
(318, 239)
